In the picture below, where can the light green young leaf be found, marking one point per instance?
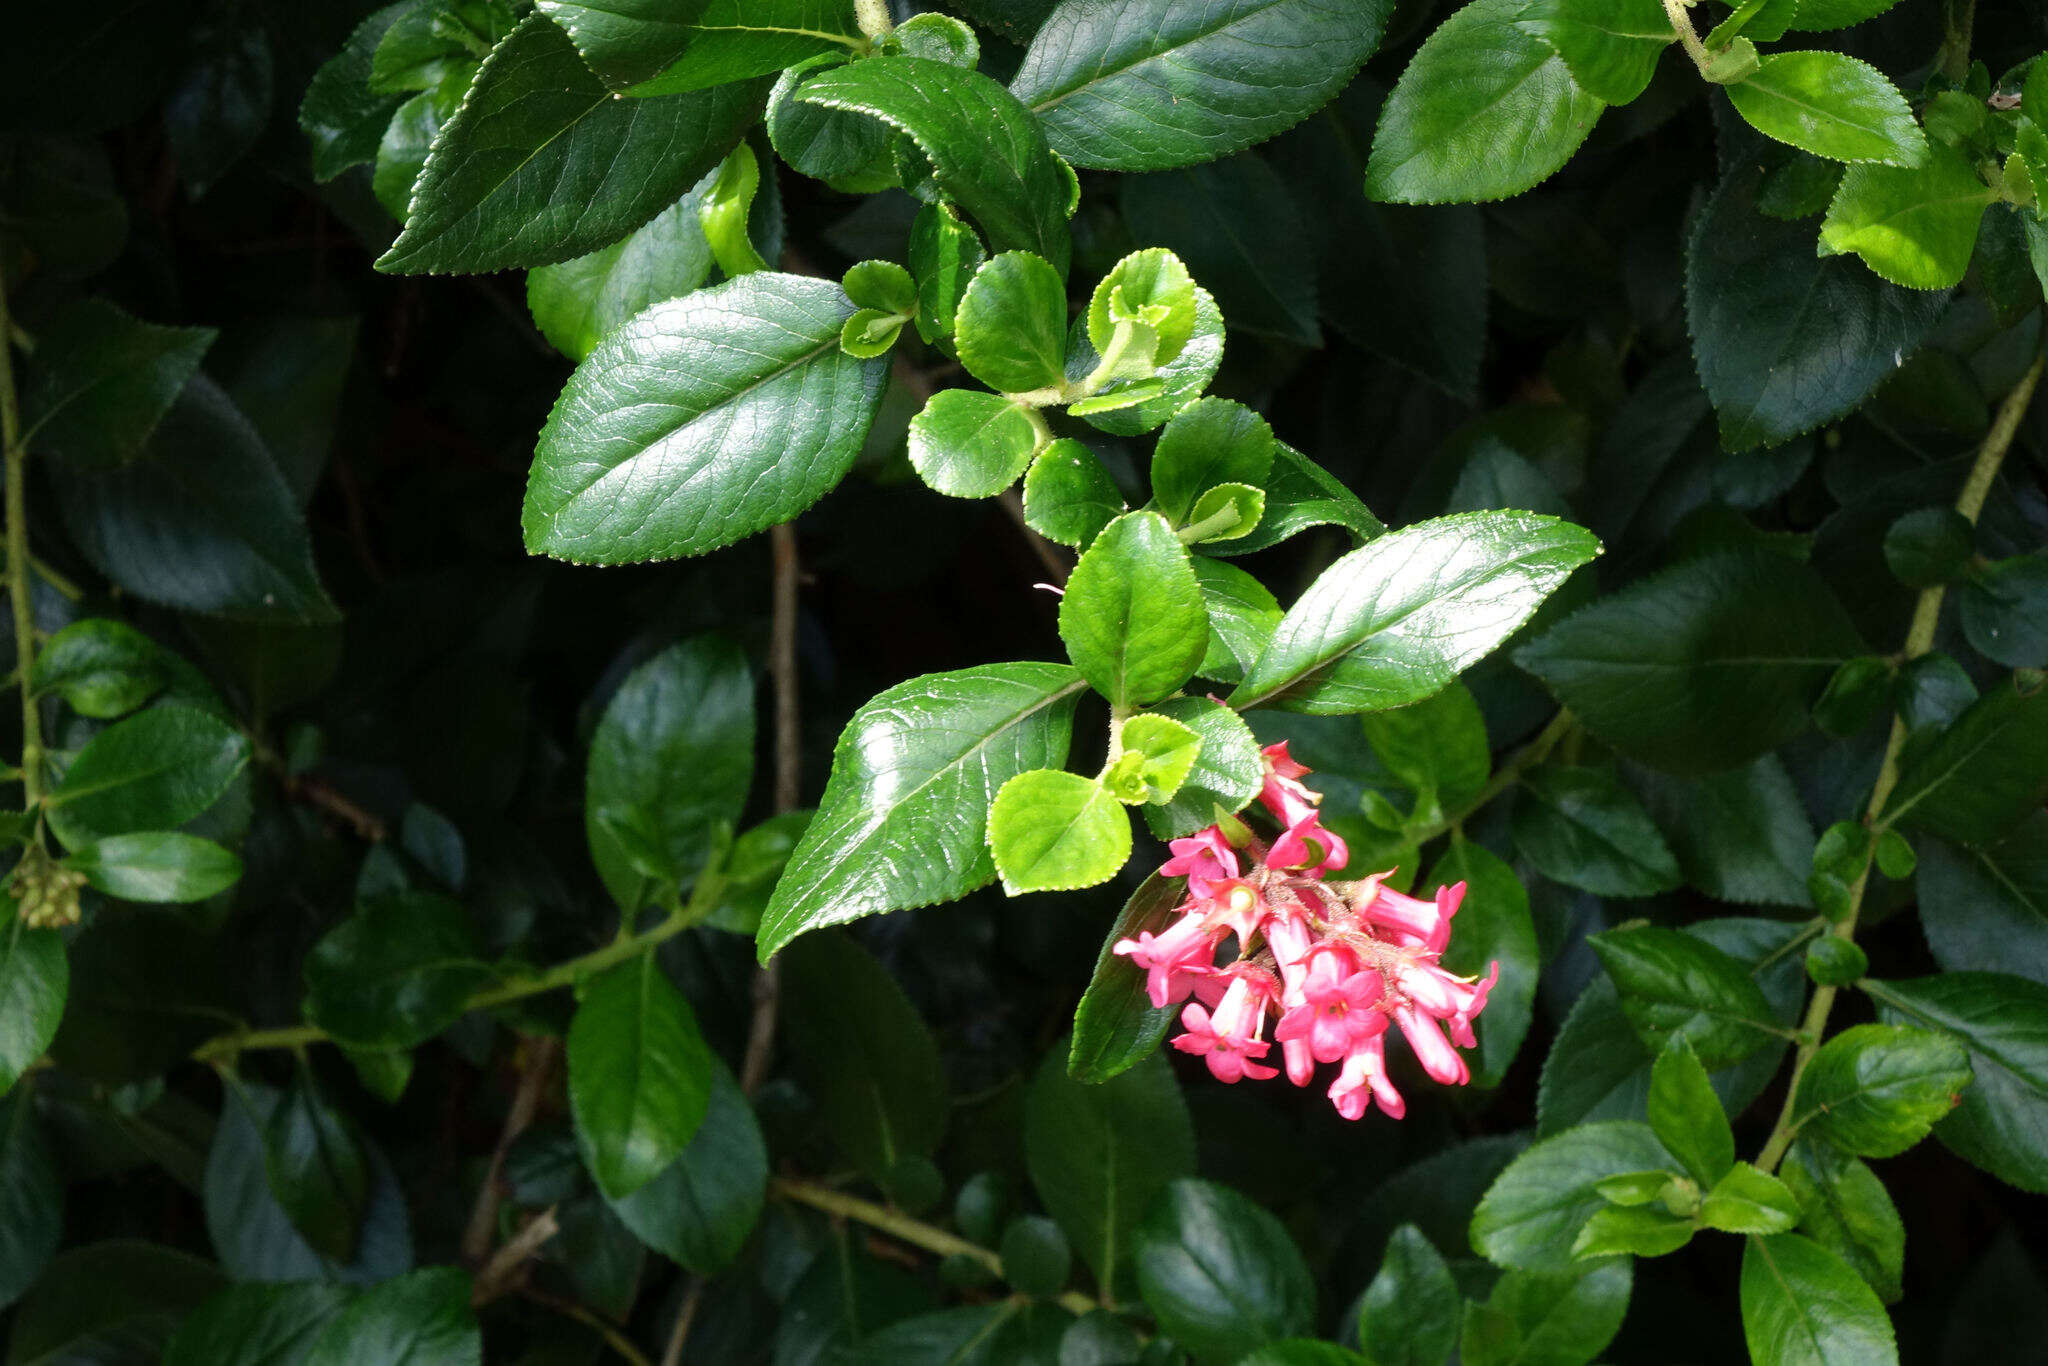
(1531, 1216)
(1686, 1114)
(101, 668)
(1915, 226)
(1011, 329)
(1226, 774)
(1165, 751)
(1832, 106)
(1052, 831)
(1633, 1230)
(1151, 287)
(1069, 495)
(1748, 1201)
(1227, 512)
(1212, 441)
(972, 445)
(1132, 616)
(1179, 382)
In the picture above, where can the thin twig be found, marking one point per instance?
(323, 796)
(502, 1272)
(19, 590)
(616, 1340)
(1013, 504)
(534, 1076)
(686, 1314)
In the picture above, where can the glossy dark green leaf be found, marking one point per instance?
(1769, 320)
(1986, 909)
(1803, 1306)
(1875, 1090)
(902, 820)
(1410, 1312)
(577, 303)
(1303, 1352)
(1493, 926)
(2003, 1021)
(1069, 495)
(1846, 1209)
(1142, 85)
(639, 1076)
(1702, 667)
(342, 117)
(1982, 775)
(1581, 827)
(419, 1319)
(395, 973)
(1132, 615)
(1611, 47)
(974, 445)
(944, 255)
(1242, 615)
(2003, 610)
(873, 1065)
(1220, 1273)
(1053, 831)
(255, 1325)
(1676, 984)
(1915, 226)
(1436, 747)
(1394, 621)
(541, 164)
(1237, 226)
(219, 107)
(317, 1171)
(101, 668)
(31, 1196)
(649, 47)
(1741, 836)
(1116, 1025)
(1483, 111)
(700, 1211)
(1547, 1319)
(103, 381)
(112, 1301)
(153, 771)
(202, 520)
(1100, 1153)
(1534, 1210)
(671, 761)
(1832, 106)
(1686, 1115)
(702, 420)
(409, 140)
(156, 865)
(1301, 494)
(989, 154)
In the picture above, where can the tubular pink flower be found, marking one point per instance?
(1337, 1012)
(1294, 851)
(1228, 1040)
(1205, 859)
(1432, 1049)
(1474, 1002)
(1186, 946)
(1428, 923)
(1363, 1080)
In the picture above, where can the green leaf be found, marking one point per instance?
(1636, 1231)
(1611, 47)
(639, 1076)
(1211, 442)
(1534, 1319)
(650, 47)
(1987, 909)
(1052, 831)
(109, 1301)
(2004, 608)
(156, 865)
(396, 973)
(1832, 106)
(1845, 1208)
(1100, 1154)
(1767, 317)
(202, 521)
(1237, 227)
(1226, 513)
(255, 1325)
(1219, 1273)
(1804, 1306)
(903, 818)
(700, 1211)
(542, 165)
(153, 771)
(1675, 984)
(1532, 1214)
(1165, 751)
(315, 1169)
(1982, 775)
(102, 668)
(973, 445)
(1142, 85)
(1748, 1201)
(1436, 747)
(1581, 827)
(1116, 1025)
(2003, 1021)
(577, 303)
(1035, 1257)
(874, 1066)
(988, 153)
(1818, 16)
(1394, 621)
(221, 103)
(944, 256)
(1011, 330)
(1301, 494)
(1875, 1090)
(1931, 545)
(1304, 1352)
(1409, 1313)
(103, 380)
(1686, 1115)
(1742, 835)
(671, 761)
(1242, 615)
(342, 117)
(409, 139)
(1069, 496)
(1150, 287)
(1226, 773)
(433, 43)
(702, 420)
(1915, 226)
(420, 1319)
(1702, 667)
(845, 149)
(1180, 381)
(33, 1196)
(1493, 926)
(1483, 111)
(1132, 615)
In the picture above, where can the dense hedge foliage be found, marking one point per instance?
(1451, 597)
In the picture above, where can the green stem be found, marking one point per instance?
(1919, 640)
(1681, 24)
(903, 1228)
(1214, 522)
(223, 1048)
(19, 590)
(1958, 26)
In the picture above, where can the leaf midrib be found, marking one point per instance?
(1159, 54)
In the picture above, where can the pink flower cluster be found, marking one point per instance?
(1332, 962)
